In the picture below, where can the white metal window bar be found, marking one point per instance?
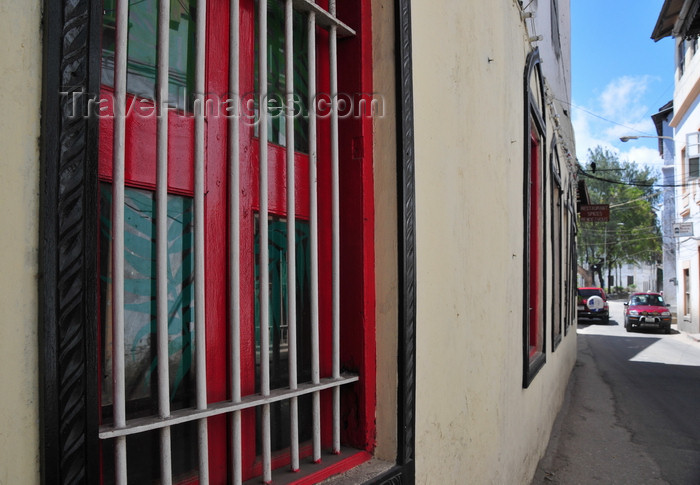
(264, 257)
(121, 428)
(313, 221)
(235, 243)
(335, 211)
(199, 228)
(291, 234)
(119, 400)
(162, 237)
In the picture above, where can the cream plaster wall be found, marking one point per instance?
(386, 255)
(20, 58)
(475, 422)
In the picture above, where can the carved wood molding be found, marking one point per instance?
(68, 223)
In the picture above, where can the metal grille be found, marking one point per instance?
(166, 418)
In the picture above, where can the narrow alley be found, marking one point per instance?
(630, 413)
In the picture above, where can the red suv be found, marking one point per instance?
(583, 311)
(647, 310)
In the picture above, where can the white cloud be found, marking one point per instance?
(622, 98)
(643, 126)
(642, 155)
(619, 110)
(587, 135)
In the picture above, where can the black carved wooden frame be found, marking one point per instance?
(556, 244)
(68, 250)
(68, 243)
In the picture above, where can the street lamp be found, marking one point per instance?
(636, 137)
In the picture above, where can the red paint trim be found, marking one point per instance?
(354, 458)
(277, 180)
(535, 264)
(247, 262)
(216, 238)
(281, 458)
(358, 298)
(140, 145)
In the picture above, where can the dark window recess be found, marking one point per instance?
(693, 167)
(279, 327)
(276, 78)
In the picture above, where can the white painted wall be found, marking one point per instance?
(686, 102)
(20, 58)
(558, 73)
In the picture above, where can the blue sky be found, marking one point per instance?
(620, 77)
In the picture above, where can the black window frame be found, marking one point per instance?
(556, 238)
(534, 120)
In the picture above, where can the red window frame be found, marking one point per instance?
(536, 281)
(357, 249)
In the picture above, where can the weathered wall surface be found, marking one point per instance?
(20, 58)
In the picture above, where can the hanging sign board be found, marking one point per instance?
(683, 229)
(595, 213)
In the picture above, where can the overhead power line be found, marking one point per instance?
(599, 116)
(634, 183)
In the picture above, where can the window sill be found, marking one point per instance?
(535, 363)
(361, 474)
(347, 462)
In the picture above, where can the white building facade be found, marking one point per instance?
(677, 20)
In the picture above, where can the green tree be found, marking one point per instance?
(633, 234)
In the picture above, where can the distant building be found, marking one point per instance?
(662, 120)
(631, 277)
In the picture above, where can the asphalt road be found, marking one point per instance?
(632, 410)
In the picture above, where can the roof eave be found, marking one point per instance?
(670, 11)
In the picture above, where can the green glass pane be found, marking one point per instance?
(276, 77)
(142, 49)
(140, 304)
